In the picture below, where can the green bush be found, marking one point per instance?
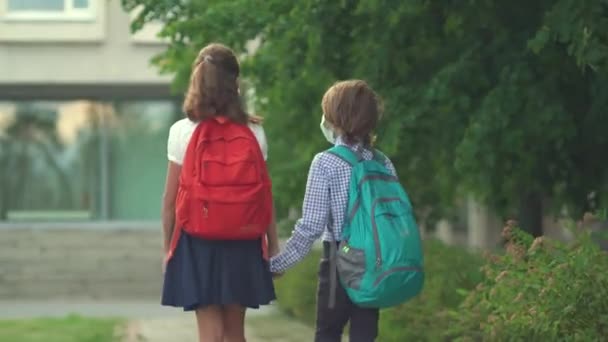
(296, 290)
(539, 290)
(449, 271)
(285, 227)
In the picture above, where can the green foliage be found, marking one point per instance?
(285, 227)
(296, 290)
(449, 270)
(484, 96)
(540, 290)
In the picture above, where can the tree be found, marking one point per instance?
(503, 99)
(28, 152)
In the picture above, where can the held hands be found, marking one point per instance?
(274, 250)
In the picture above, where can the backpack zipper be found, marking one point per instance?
(378, 247)
(375, 227)
(205, 210)
(395, 270)
(384, 177)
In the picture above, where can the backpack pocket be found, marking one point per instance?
(351, 265)
(229, 163)
(397, 285)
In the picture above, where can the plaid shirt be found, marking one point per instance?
(324, 205)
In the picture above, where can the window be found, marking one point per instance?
(83, 160)
(49, 9)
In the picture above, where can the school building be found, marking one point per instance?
(84, 119)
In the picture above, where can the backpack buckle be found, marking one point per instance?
(205, 210)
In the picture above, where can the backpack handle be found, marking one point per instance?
(354, 157)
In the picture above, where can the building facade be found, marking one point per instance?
(83, 114)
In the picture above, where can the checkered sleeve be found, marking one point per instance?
(315, 216)
(390, 167)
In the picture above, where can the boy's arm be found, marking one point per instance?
(315, 215)
(389, 165)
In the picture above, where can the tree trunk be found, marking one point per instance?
(531, 213)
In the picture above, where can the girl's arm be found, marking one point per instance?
(272, 236)
(168, 205)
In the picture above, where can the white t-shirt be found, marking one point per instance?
(181, 132)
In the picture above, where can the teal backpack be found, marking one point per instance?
(379, 258)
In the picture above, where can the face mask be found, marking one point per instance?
(328, 133)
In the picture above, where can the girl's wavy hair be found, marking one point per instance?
(214, 89)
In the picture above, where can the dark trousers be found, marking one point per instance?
(331, 322)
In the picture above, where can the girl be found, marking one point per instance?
(216, 279)
(351, 111)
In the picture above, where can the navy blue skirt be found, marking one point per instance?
(204, 272)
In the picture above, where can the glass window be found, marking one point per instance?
(48, 160)
(49, 9)
(36, 5)
(81, 4)
(138, 146)
(81, 160)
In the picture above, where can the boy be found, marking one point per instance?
(351, 111)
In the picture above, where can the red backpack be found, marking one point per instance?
(224, 188)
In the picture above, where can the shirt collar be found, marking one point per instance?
(357, 147)
(339, 141)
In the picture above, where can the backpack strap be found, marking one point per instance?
(346, 154)
(190, 167)
(352, 158)
(379, 157)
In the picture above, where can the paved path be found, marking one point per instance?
(183, 328)
(57, 308)
(147, 321)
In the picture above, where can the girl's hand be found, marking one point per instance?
(164, 262)
(273, 249)
(166, 248)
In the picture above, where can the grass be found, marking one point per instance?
(68, 329)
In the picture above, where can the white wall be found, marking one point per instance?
(97, 50)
